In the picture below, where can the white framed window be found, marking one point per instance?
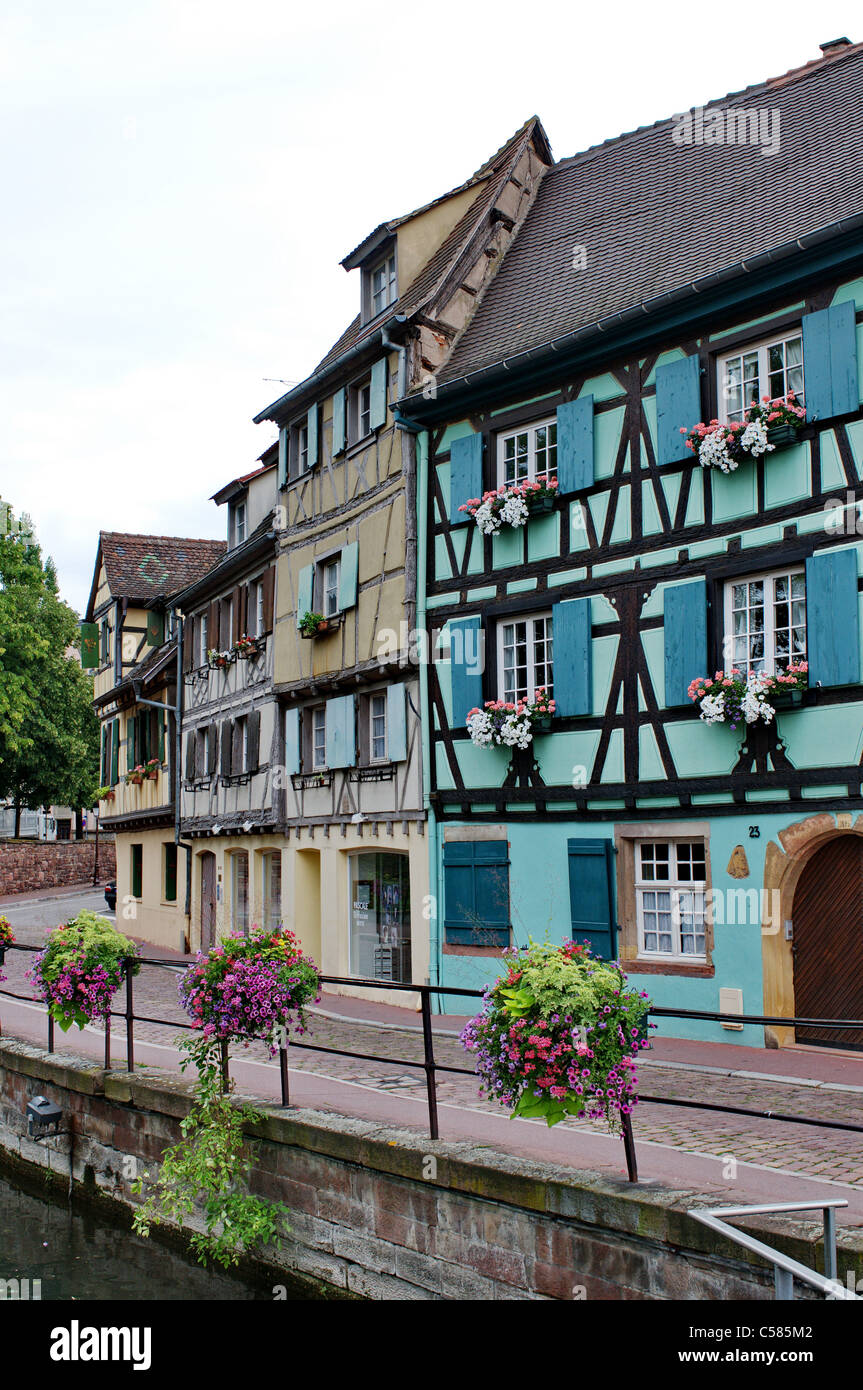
(271, 888)
(239, 523)
(671, 899)
(329, 574)
(525, 657)
(360, 411)
(203, 644)
(772, 368)
(204, 735)
(240, 891)
(378, 728)
(319, 737)
(256, 609)
(527, 455)
(765, 621)
(382, 285)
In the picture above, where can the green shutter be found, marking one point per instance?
(575, 467)
(137, 867)
(170, 873)
(348, 576)
(292, 741)
(115, 752)
(305, 586)
(397, 743)
(132, 749)
(591, 895)
(104, 760)
(476, 892)
(467, 660)
(155, 628)
(571, 633)
(678, 404)
(161, 735)
(378, 404)
(685, 636)
(341, 732)
(832, 626)
(312, 423)
(465, 475)
(89, 646)
(338, 422)
(284, 441)
(830, 384)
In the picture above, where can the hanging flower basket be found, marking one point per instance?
(135, 776)
(510, 506)
(81, 968)
(511, 725)
(557, 1037)
(768, 426)
(732, 698)
(7, 939)
(248, 988)
(218, 661)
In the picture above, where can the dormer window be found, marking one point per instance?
(239, 523)
(380, 285)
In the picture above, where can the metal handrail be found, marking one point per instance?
(785, 1269)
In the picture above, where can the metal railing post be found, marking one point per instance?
(830, 1263)
(130, 1020)
(629, 1148)
(107, 1042)
(283, 1076)
(428, 1051)
(224, 1058)
(50, 1031)
(783, 1281)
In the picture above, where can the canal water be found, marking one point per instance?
(78, 1254)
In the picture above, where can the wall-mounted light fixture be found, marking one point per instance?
(43, 1119)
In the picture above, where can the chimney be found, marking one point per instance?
(833, 46)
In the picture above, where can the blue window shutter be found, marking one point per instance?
(339, 421)
(467, 659)
(378, 403)
(465, 475)
(678, 403)
(476, 892)
(305, 584)
(830, 362)
(348, 576)
(573, 665)
(575, 445)
(292, 741)
(284, 438)
(685, 625)
(832, 631)
(397, 744)
(591, 895)
(312, 422)
(341, 732)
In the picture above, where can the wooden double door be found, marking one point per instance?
(827, 942)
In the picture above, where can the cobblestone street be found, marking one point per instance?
(802, 1150)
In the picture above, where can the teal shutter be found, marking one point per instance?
(476, 892)
(378, 403)
(305, 584)
(312, 423)
(338, 422)
(397, 744)
(284, 440)
(678, 403)
(292, 741)
(575, 469)
(467, 659)
(832, 630)
(465, 475)
(90, 646)
(341, 732)
(591, 895)
(830, 362)
(115, 752)
(685, 624)
(348, 576)
(573, 652)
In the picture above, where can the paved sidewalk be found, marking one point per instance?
(731, 1157)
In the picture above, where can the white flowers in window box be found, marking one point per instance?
(734, 699)
(768, 425)
(502, 723)
(510, 506)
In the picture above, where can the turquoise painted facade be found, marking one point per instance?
(649, 546)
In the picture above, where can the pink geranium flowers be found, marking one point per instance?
(508, 505)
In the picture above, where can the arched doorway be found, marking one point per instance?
(827, 943)
(208, 900)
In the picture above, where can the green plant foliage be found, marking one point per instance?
(207, 1173)
(81, 967)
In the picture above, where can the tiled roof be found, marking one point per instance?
(420, 291)
(146, 568)
(654, 216)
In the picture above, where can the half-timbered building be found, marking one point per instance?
(662, 279)
(129, 644)
(356, 862)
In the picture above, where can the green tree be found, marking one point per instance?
(49, 735)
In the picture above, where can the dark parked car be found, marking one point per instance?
(111, 896)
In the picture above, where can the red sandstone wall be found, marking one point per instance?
(26, 865)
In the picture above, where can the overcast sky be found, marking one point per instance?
(180, 179)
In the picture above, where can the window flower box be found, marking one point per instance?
(509, 724)
(219, 661)
(510, 506)
(245, 647)
(311, 781)
(768, 426)
(317, 625)
(732, 698)
(152, 768)
(135, 776)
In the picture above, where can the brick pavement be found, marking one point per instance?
(814, 1152)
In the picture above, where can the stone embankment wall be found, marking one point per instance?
(386, 1214)
(27, 865)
